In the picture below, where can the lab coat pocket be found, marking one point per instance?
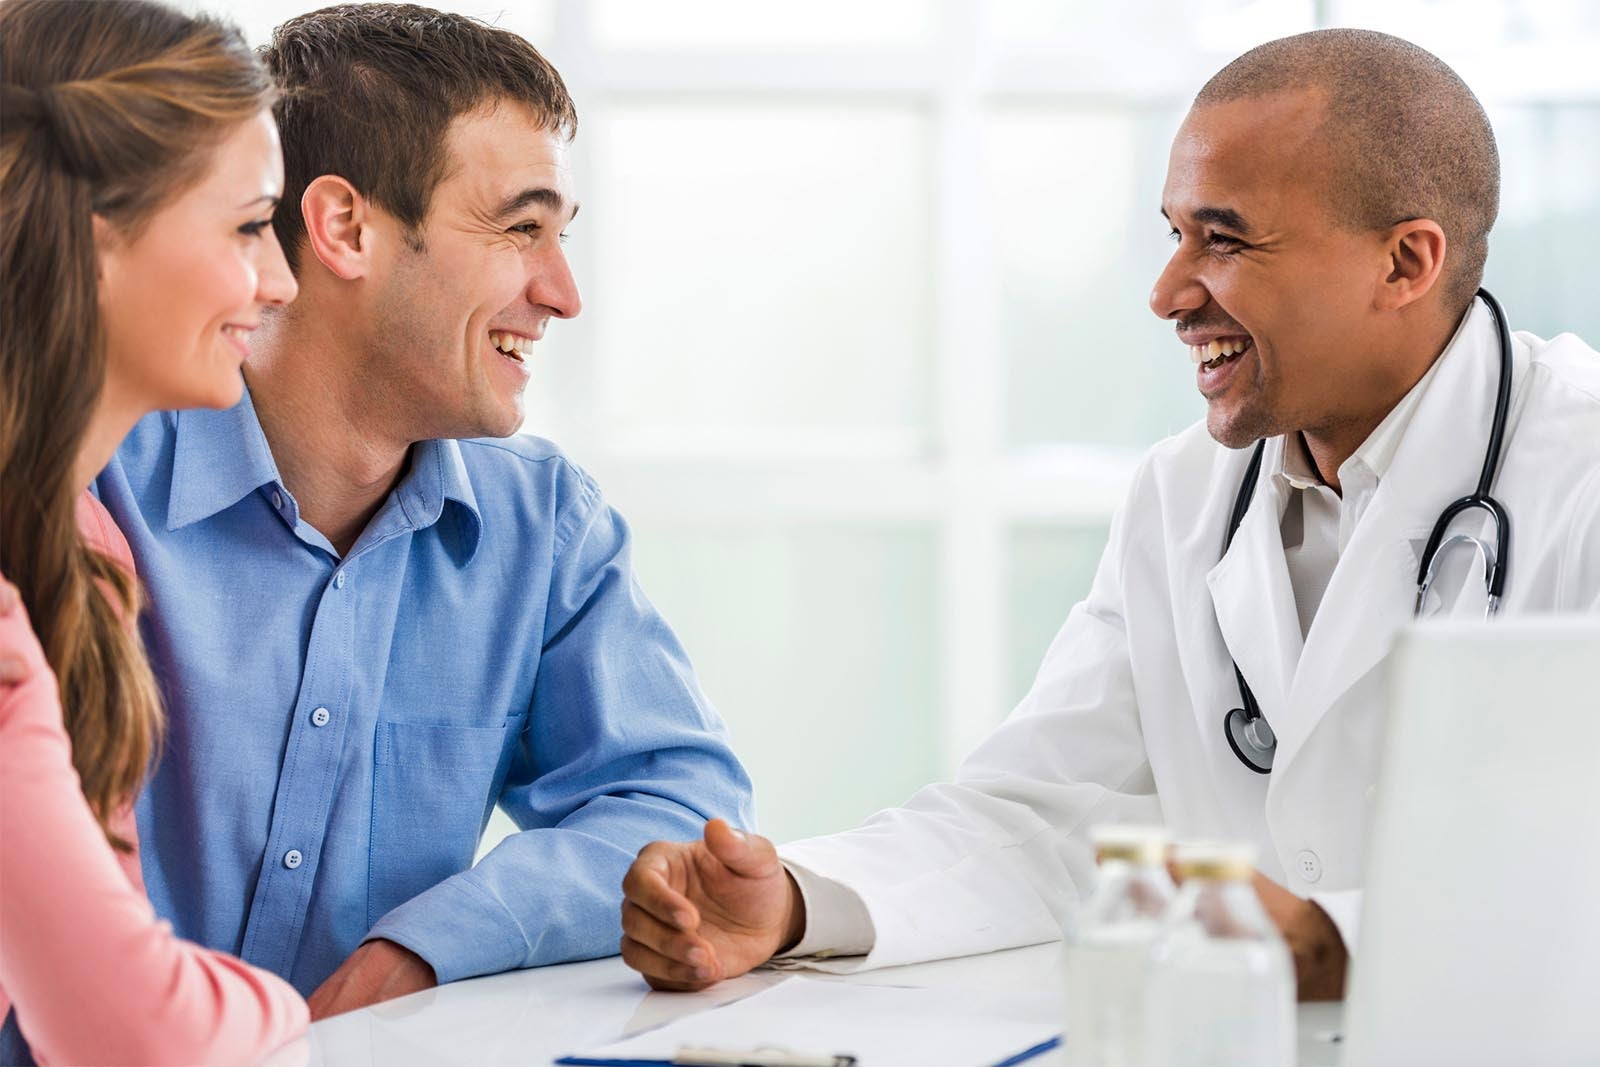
(432, 791)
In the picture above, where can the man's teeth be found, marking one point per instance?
(1214, 351)
(511, 344)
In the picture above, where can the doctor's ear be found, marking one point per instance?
(1416, 252)
(338, 226)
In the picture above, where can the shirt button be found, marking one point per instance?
(292, 858)
(338, 580)
(277, 500)
(1309, 865)
(320, 717)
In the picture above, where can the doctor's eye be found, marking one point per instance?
(1223, 245)
(1175, 236)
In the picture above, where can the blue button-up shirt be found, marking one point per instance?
(340, 729)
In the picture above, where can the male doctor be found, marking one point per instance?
(1330, 196)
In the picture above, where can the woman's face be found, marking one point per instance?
(181, 298)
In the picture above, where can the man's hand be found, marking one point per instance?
(377, 971)
(1315, 945)
(696, 912)
(13, 668)
(1319, 953)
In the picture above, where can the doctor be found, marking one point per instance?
(1330, 196)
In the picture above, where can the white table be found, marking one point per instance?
(528, 1018)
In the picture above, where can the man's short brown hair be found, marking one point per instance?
(368, 92)
(1405, 137)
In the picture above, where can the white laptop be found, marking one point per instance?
(1480, 933)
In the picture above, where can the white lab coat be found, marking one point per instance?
(1125, 720)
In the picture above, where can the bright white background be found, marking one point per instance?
(865, 355)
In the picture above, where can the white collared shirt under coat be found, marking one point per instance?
(1124, 722)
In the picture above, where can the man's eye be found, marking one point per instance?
(1221, 242)
(1175, 235)
(529, 228)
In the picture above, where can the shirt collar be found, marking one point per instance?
(437, 476)
(221, 457)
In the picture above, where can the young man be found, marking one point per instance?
(1330, 196)
(370, 630)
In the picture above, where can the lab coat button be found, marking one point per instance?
(292, 858)
(1309, 865)
(320, 717)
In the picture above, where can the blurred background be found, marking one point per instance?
(865, 356)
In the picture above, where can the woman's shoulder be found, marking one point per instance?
(101, 533)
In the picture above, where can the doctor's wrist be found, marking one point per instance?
(794, 923)
(1319, 953)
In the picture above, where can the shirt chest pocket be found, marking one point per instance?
(433, 788)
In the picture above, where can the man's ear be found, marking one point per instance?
(338, 226)
(1416, 254)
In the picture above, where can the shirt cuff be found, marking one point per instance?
(460, 931)
(1344, 908)
(837, 923)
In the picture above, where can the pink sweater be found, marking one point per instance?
(94, 976)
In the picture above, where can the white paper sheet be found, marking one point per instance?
(882, 1026)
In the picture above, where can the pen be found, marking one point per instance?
(691, 1056)
(760, 1057)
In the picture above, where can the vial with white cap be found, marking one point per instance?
(1107, 947)
(1221, 988)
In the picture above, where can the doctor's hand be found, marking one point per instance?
(696, 912)
(1315, 944)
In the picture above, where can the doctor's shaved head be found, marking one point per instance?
(1403, 137)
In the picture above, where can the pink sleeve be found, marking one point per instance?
(94, 977)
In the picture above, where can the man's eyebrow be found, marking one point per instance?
(1225, 217)
(542, 195)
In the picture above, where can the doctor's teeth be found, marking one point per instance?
(1212, 351)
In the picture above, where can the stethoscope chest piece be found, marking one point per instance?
(1252, 740)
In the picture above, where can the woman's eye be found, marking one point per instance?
(256, 228)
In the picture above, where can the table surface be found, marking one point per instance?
(528, 1018)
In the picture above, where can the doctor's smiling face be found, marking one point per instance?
(1270, 290)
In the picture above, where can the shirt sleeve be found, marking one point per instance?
(837, 922)
(91, 973)
(621, 748)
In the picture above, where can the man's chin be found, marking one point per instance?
(1236, 428)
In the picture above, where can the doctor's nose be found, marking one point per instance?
(1177, 293)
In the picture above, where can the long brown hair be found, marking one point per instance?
(107, 109)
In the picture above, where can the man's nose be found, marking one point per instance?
(553, 286)
(1177, 291)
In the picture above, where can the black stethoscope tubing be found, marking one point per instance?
(1247, 730)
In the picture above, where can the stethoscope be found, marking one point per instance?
(1249, 735)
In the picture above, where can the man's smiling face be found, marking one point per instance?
(1271, 295)
(457, 319)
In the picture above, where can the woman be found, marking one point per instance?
(139, 167)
